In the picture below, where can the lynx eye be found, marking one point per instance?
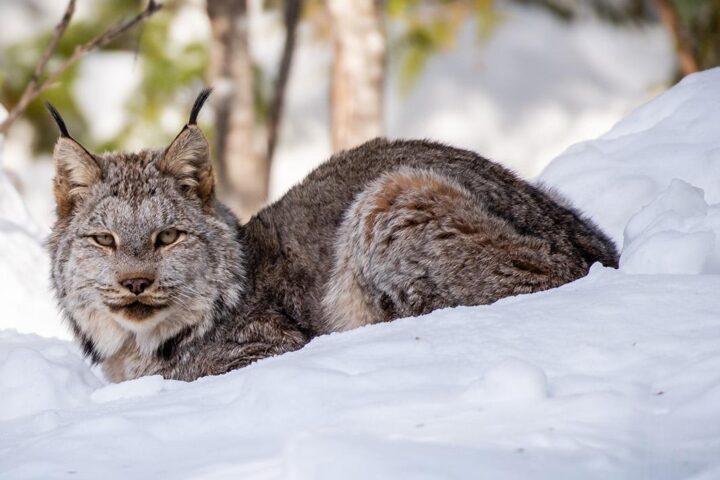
(167, 237)
(104, 240)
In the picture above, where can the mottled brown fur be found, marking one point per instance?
(385, 230)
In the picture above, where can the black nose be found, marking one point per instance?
(136, 285)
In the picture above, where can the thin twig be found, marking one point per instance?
(54, 41)
(36, 87)
(29, 93)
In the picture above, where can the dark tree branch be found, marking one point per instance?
(54, 41)
(36, 87)
(616, 12)
(292, 12)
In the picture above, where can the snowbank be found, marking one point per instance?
(598, 379)
(616, 375)
(653, 181)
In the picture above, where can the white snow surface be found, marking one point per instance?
(25, 303)
(616, 375)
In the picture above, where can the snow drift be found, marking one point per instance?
(616, 375)
(653, 181)
(25, 303)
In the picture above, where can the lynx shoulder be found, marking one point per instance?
(155, 276)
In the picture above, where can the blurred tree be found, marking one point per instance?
(246, 108)
(619, 12)
(431, 27)
(244, 167)
(670, 18)
(292, 10)
(695, 25)
(358, 71)
(242, 171)
(249, 102)
(29, 76)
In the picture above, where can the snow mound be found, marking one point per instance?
(584, 381)
(678, 220)
(616, 375)
(25, 302)
(653, 181)
(38, 375)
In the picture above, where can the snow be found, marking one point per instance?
(626, 169)
(24, 267)
(677, 220)
(616, 375)
(608, 377)
(40, 375)
(96, 72)
(653, 181)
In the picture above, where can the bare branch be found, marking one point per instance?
(54, 41)
(30, 89)
(293, 9)
(35, 87)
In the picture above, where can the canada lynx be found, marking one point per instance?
(155, 276)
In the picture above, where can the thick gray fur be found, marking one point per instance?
(386, 230)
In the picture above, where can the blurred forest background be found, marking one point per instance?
(294, 80)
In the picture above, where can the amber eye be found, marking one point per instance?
(167, 237)
(104, 239)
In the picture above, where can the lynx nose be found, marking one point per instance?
(136, 285)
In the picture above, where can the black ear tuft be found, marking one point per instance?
(58, 119)
(199, 102)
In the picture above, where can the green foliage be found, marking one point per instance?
(701, 20)
(166, 72)
(429, 28)
(18, 64)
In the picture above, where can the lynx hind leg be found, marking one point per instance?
(415, 240)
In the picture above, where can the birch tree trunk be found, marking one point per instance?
(358, 72)
(243, 174)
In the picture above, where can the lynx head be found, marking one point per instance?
(141, 250)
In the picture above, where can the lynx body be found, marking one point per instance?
(155, 276)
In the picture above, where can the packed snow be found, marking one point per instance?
(616, 375)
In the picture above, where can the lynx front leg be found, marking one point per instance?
(235, 346)
(415, 241)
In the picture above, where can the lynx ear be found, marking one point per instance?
(187, 159)
(76, 170)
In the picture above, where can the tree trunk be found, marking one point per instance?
(242, 172)
(358, 72)
(671, 20)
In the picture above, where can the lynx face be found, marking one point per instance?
(140, 248)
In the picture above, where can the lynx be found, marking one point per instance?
(155, 276)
